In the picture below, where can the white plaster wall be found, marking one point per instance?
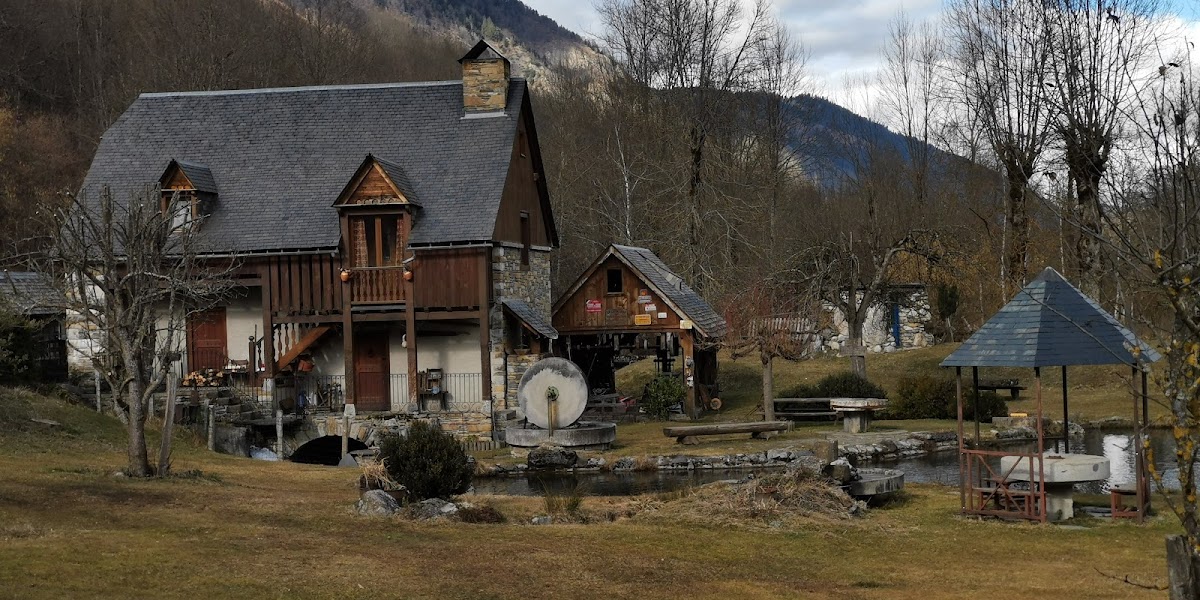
(243, 318)
(328, 355)
(457, 351)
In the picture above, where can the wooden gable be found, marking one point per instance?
(591, 307)
(371, 186)
(525, 191)
(175, 179)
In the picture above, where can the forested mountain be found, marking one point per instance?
(535, 31)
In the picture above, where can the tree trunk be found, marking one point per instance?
(1087, 215)
(1018, 212)
(857, 351)
(139, 461)
(768, 386)
(1182, 569)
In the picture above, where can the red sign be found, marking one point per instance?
(594, 306)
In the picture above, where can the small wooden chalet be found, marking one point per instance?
(32, 296)
(628, 305)
(394, 239)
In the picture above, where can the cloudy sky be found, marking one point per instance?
(843, 37)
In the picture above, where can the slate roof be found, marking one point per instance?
(671, 288)
(396, 173)
(283, 155)
(31, 293)
(530, 317)
(200, 176)
(1050, 323)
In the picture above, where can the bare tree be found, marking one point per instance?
(1096, 46)
(131, 273)
(912, 95)
(1152, 224)
(1001, 51)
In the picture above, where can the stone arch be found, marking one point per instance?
(324, 450)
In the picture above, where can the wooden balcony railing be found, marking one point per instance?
(377, 285)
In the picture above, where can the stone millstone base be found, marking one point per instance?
(584, 435)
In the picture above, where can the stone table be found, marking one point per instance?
(856, 412)
(1062, 471)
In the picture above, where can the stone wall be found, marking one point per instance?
(531, 285)
(485, 85)
(878, 336)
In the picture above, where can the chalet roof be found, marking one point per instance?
(200, 176)
(1050, 323)
(31, 293)
(530, 317)
(282, 156)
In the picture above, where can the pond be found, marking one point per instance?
(1116, 445)
(941, 468)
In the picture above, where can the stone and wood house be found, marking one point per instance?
(394, 237)
(628, 305)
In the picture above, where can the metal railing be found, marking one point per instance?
(321, 393)
(463, 392)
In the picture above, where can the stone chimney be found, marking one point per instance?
(485, 79)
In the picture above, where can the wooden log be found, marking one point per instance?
(722, 428)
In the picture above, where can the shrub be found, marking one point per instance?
(933, 397)
(17, 347)
(661, 393)
(428, 462)
(838, 385)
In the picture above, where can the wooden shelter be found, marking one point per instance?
(1049, 323)
(628, 305)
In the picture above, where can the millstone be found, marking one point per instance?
(558, 378)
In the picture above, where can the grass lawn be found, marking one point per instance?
(246, 528)
(1094, 392)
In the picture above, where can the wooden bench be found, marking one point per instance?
(803, 408)
(1013, 386)
(1116, 495)
(687, 434)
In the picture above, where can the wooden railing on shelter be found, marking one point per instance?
(377, 285)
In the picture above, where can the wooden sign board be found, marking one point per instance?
(641, 320)
(594, 306)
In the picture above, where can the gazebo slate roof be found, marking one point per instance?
(1051, 323)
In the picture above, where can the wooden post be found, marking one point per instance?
(975, 395)
(1041, 445)
(1181, 569)
(268, 319)
(212, 429)
(1066, 417)
(686, 347)
(1144, 468)
(485, 327)
(279, 431)
(97, 377)
(410, 339)
(164, 450)
(962, 466)
(348, 354)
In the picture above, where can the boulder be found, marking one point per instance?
(433, 508)
(842, 471)
(377, 503)
(596, 462)
(808, 463)
(542, 520)
(552, 457)
(1016, 433)
(624, 464)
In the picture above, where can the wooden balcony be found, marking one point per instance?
(377, 285)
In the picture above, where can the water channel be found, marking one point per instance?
(942, 468)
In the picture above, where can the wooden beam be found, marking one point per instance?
(268, 322)
(445, 315)
(313, 319)
(309, 338)
(347, 317)
(686, 346)
(485, 334)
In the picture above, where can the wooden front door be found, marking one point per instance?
(371, 371)
(207, 340)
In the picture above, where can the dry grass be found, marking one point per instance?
(258, 529)
(792, 499)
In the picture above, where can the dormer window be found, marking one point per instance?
(188, 193)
